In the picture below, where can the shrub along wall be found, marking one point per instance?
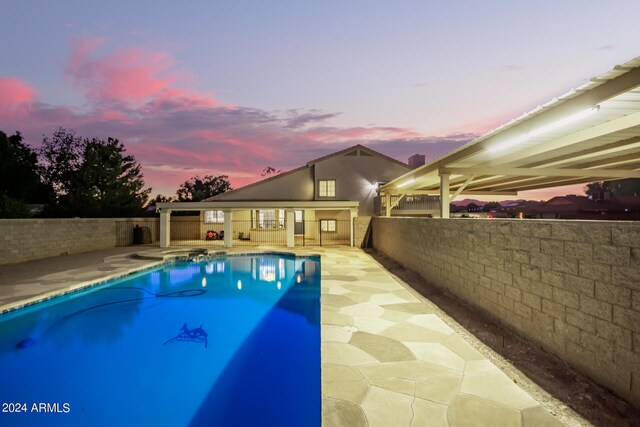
(28, 239)
(571, 286)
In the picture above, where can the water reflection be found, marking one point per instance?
(105, 314)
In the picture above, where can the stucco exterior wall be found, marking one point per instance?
(356, 177)
(28, 239)
(571, 286)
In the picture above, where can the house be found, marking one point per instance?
(583, 207)
(314, 204)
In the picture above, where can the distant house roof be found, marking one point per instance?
(574, 203)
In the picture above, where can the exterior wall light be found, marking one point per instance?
(544, 129)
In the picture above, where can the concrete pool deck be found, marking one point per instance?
(389, 356)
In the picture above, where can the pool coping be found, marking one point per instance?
(157, 257)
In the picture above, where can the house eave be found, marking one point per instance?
(235, 205)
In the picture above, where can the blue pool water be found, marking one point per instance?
(231, 341)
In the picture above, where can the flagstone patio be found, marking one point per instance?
(388, 358)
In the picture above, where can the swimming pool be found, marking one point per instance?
(232, 341)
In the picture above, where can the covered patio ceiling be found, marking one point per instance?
(591, 133)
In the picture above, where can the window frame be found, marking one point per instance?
(326, 183)
(268, 219)
(217, 215)
(325, 225)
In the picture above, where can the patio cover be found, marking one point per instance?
(229, 206)
(591, 133)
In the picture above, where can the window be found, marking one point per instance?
(213, 217)
(268, 219)
(327, 188)
(328, 225)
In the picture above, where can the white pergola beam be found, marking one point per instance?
(597, 131)
(619, 148)
(544, 172)
(461, 188)
(436, 192)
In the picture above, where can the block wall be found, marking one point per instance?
(571, 286)
(28, 239)
(360, 226)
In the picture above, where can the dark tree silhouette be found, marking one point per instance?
(488, 207)
(270, 171)
(20, 181)
(162, 199)
(629, 187)
(108, 182)
(91, 177)
(60, 157)
(196, 189)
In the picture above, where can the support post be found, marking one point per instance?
(228, 228)
(290, 222)
(387, 200)
(165, 228)
(354, 214)
(444, 195)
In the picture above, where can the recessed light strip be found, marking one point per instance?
(407, 182)
(544, 129)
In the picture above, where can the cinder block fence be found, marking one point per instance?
(573, 287)
(29, 239)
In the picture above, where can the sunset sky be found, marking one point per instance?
(230, 87)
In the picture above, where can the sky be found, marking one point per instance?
(209, 87)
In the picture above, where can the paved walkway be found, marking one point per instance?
(388, 357)
(24, 283)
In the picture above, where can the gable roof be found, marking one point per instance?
(262, 181)
(357, 147)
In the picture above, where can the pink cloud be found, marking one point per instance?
(176, 132)
(232, 141)
(16, 97)
(336, 135)
(127, 75)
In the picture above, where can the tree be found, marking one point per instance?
(629, 187)
(161, 199)
(472, 207)
(270, 171)
(20, 181)
(488, 207)
(91, 177)
(60, 157)
(107, 182)
(196, 189)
